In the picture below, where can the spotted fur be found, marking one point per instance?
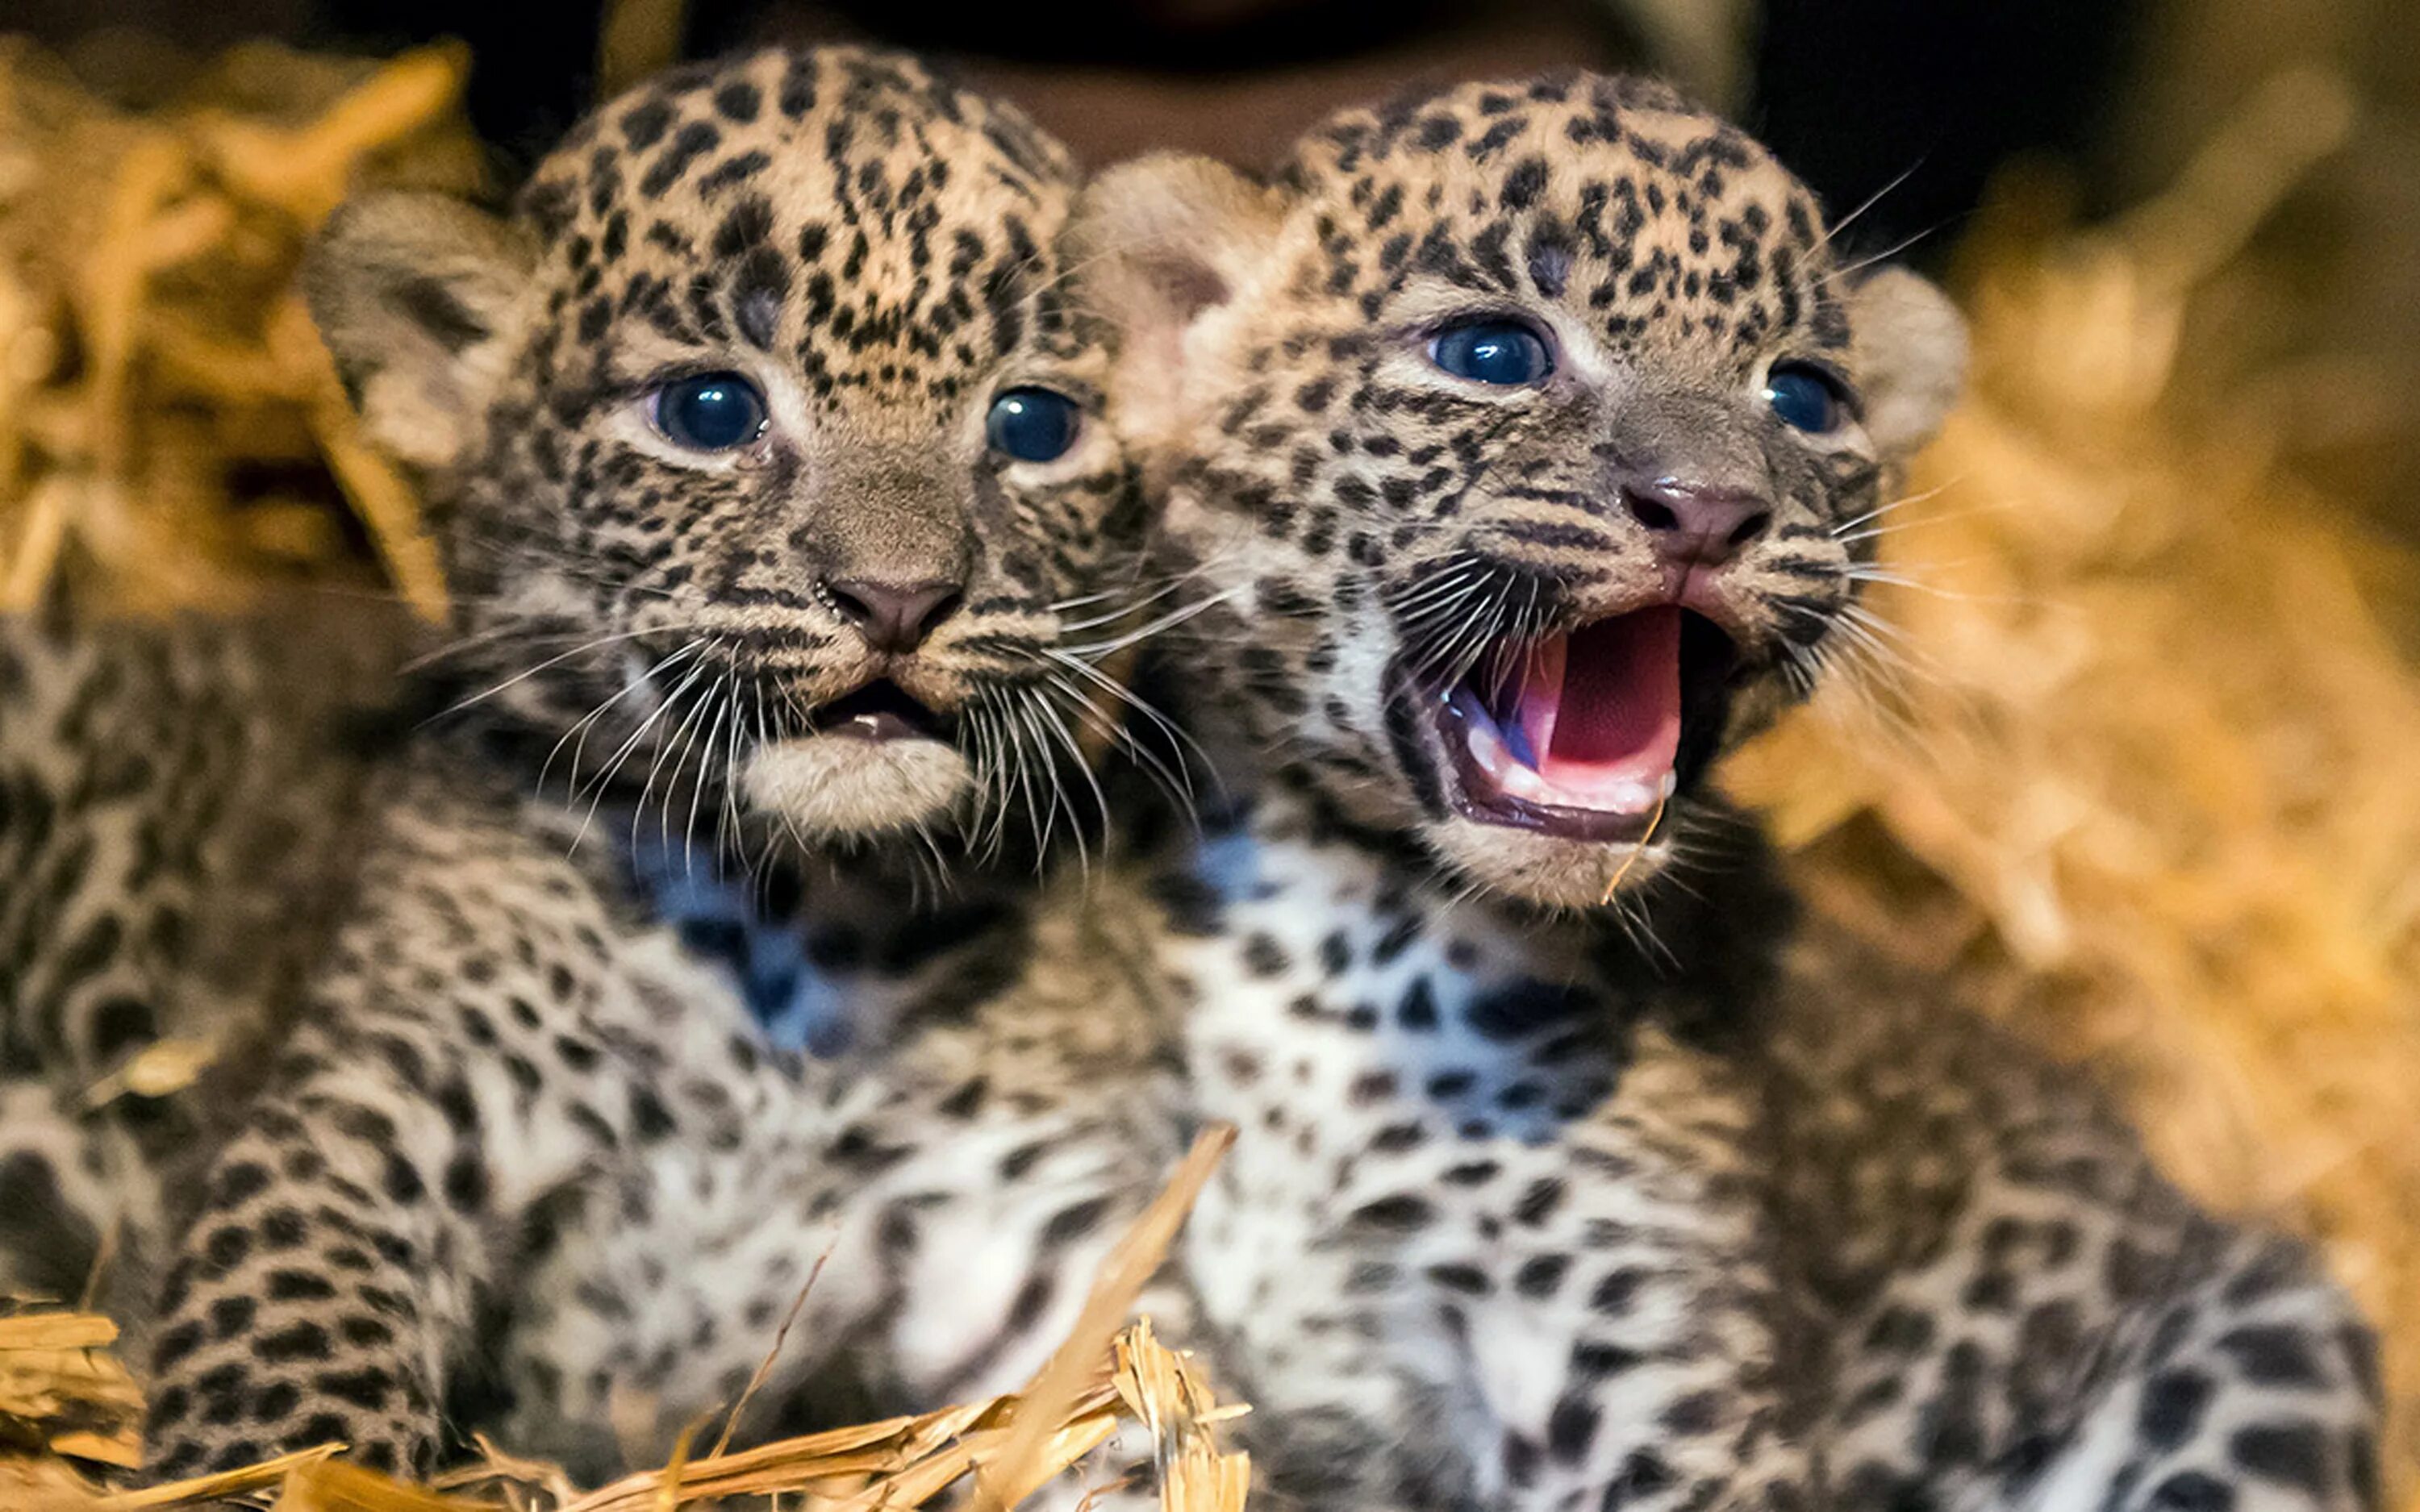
(174, 797)
(1668, 1204)
(1524, 1212)
(525, 1017)
(1529, 1207)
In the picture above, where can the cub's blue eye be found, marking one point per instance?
(710, 413)
(1502, 352)
(1032, 425)
(1807, 397)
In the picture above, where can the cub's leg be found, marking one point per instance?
(488, 1030)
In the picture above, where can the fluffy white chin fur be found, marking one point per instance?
(841, 787)
(1544, 869)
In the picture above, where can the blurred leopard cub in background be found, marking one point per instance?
(764, 445)
(1518, 438)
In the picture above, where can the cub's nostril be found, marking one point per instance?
(1648, 512)
(945, 604)
(852, 609)
(1749, 528)
(1691, 521)
(894, 617)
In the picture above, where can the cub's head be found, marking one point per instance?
(1526, 430)
(763, 444)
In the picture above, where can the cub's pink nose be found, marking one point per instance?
(894, 617)
(1693, 524)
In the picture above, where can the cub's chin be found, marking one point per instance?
(842, 786)
(1547, 870)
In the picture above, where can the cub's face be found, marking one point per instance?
(1523, 435)
(767, 447)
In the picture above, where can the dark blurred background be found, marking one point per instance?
(1857, 94)
(1919, 101)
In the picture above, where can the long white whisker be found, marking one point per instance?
(604, 778)
(556, 662)
(1900, 502)
(678, 740)
(1870, 201)
(1095, 622)
(1057, 728)
(1142, 706)
(1166, 622)
(1853, 270)
(577, 736)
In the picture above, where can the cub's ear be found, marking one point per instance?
(420, 298)
(1161, 242)
(1909, 350)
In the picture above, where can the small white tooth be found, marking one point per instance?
(1488, 752)
(1632, 797)
(1670, 785)
(1524, 783)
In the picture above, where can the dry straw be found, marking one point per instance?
(63, 1398)
(166, 410)
(2130, 756)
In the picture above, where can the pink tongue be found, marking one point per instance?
(1603, 705)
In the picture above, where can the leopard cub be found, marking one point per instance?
(1515, 440)
(783, 532)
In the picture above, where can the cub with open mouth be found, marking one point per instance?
(1522, 439)
(1537, 486)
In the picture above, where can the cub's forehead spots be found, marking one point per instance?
(844, 210)
(1656, 222)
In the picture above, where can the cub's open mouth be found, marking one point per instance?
(1584, 734)
(880, 711)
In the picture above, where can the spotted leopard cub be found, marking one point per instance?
(1518, 438)
(761, 437)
